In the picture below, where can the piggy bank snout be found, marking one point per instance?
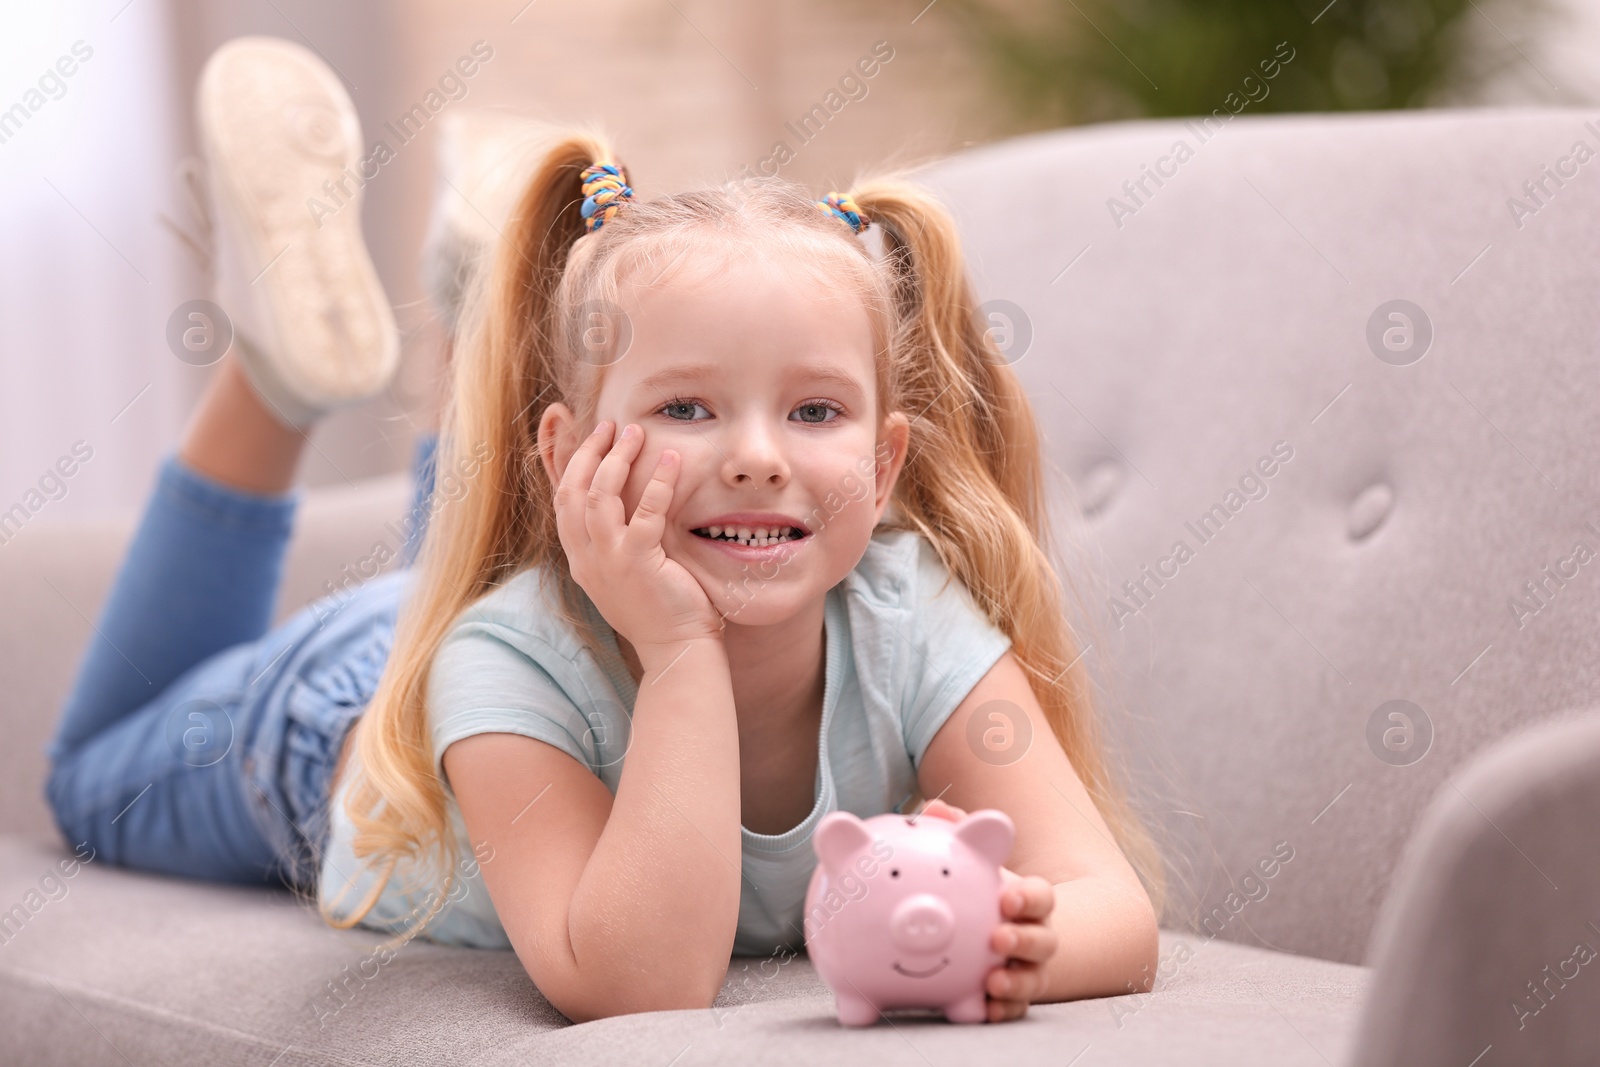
(922, 923)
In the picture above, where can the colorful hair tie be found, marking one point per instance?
(605, 187)
(842, 206)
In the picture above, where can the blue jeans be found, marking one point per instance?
(198, 739)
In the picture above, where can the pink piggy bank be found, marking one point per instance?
(901, 908)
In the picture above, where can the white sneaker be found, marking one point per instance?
(312, 326)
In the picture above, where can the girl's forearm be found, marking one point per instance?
(1107, 941)
(655, 912)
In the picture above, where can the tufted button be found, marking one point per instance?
(1371, 507)
(1097, 486)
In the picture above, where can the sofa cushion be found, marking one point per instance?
(111, 963)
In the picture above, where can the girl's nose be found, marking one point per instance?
(754, 456)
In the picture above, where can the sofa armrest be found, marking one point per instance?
(1490, 938)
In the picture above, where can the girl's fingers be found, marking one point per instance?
(581, 467)
(650, 516)
(1031, 942)
(1017, 981)
(574, 485)
(1027, 898)
(603, 512)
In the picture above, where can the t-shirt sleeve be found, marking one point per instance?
(487, 678)
(953, 645)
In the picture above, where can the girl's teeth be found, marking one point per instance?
(756, 537)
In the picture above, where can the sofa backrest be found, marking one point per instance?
(1324, 389)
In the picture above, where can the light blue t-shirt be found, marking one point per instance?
(905, 643)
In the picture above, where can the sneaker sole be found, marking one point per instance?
(275, 125)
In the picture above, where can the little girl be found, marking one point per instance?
(751, 529)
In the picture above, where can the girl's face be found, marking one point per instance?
(764, 384)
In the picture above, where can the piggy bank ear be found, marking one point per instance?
(989, 833)
(839, 836)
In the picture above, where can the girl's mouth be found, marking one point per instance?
(751, 540)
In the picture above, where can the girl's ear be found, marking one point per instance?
(557, 441)
(891, 456)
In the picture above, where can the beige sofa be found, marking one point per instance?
(1214, 365)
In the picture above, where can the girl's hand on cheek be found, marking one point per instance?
(1024, 936)
(646, 597)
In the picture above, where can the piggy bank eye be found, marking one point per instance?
(945, 871)
(894, 872)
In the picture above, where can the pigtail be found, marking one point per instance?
(508, 366)
(972, 484)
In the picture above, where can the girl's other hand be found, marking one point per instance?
(646, 597)
(1025, 936)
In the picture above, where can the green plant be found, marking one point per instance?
(1069, 61)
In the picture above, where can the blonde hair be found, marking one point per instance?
(971, 483)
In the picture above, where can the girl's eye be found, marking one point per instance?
(813, 407)
(674, 409)
(813, 411)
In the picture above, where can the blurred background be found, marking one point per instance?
(101, 240)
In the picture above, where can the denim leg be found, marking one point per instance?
(200, 576)
(204, 749)
(153, 697)
(169, 786)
